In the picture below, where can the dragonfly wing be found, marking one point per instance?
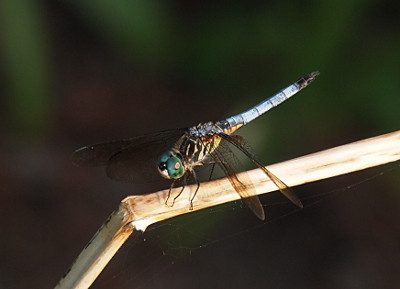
(129, 160)
(99, 154)
(245, 147)
(228, 162)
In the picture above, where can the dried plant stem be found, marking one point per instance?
(138, 212)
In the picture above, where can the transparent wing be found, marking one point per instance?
(129, 160)
(229, 163)
(245, 147)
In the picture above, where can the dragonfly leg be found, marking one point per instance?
(183, 187)
(212, 171)
(197, 189)
(180, 193)
(169, 194)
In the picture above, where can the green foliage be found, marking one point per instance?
(242, 49)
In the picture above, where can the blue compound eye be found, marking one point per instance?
(175, 168)
(170, 165)
(165, 156)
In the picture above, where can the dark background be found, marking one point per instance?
(73, 73)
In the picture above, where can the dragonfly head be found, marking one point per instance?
(170, 165)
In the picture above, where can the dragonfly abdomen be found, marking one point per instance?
(233, 123)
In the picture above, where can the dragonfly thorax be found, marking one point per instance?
(204, 130)
(190, 151)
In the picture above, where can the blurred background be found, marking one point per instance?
(74, 73)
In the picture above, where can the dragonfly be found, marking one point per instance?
(177, 154)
